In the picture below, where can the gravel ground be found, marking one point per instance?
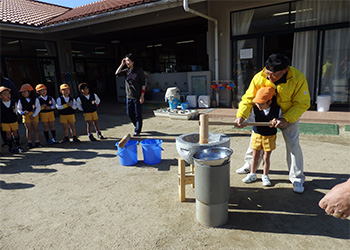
(79, 196)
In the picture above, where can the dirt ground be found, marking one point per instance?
(78, 196)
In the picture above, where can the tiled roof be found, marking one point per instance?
(29, 12)
(96, 8)
(36, 13)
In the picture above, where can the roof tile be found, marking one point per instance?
(96, 8)
(36, 13)
(29, 12)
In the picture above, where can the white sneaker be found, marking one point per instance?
(245, 169)
(265, 180)
(250, 178)
(298, 187)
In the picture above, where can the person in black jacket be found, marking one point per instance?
(263, 138)
(88, 103)
(135, 90)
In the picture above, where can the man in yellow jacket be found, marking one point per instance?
(294, 99)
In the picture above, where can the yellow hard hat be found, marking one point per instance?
(26, 87)
(64, 86)
(40, 87)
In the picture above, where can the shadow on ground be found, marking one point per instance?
(280, 210)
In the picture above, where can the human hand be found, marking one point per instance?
(337, 201)
(142, 99)
(239, 122)
(124, 61)
(69, 104)
(31, 117)
(279, 123)
(25, 112)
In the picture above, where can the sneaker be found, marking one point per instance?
(250, 178)
(75, 139)
(20, 149)
(265, 180)
(245, 169)
(29, 145)
(49, 142)
(91, 137)
(65, 140)
(54, 140)
(100, 136)
(298, 187)
(38, 144)
(136, 134)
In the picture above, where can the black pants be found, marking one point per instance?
(134, 111)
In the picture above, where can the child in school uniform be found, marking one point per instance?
(66, 106)
(9, 122)
(88, 103)
(29, 107)
(47, 115)
(263, 138)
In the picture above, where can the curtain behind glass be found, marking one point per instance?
(311, 13)
(335, 65)
(240, 26)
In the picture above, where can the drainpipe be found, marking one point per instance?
(187, 9)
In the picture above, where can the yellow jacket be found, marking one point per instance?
(293, 96)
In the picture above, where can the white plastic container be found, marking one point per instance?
(204, 101)
(323, 103)
(192, 101)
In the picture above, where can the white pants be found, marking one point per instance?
(294, 153)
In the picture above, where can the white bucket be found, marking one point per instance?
(323, 103)
(192, 101)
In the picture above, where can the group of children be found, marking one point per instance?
(31, 107)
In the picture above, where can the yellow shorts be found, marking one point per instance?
(265, 142)
(47, 116)
(91, 116)
(9, 126)
(26, 118)
(67, 118)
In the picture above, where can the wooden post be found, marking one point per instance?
(182, 183)
(203, 128)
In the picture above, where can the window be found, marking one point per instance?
(265, 19)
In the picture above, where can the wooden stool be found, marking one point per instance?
(184, 178)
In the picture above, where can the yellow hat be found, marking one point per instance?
(40, 87)
(64, 86)
(26, 87)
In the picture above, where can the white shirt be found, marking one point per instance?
(79, 103)
(60, 106)
(37, 106)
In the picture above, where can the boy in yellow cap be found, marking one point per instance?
(29, 107)
(66, 106)
(9, 122)
(47, 115)
(263, 138)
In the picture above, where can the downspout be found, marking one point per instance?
(216, 42)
